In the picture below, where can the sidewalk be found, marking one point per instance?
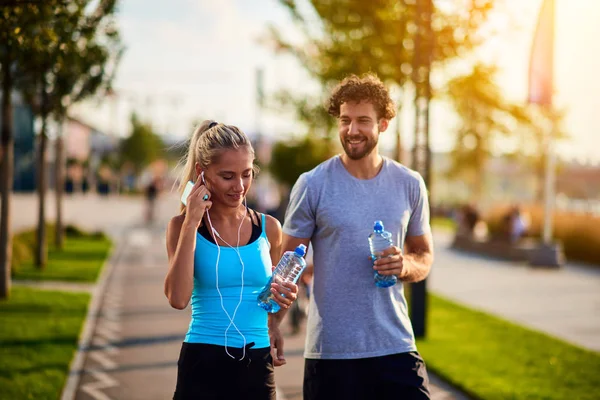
(560, 302)
(137, 336)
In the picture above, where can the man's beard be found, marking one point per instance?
(356, 154)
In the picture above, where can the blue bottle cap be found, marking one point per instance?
(300, 250)
(378, 226)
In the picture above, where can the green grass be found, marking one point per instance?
(80, 261)
(443, 223)
(39, 331)
(493, 359)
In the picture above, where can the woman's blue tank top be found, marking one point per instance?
(209, 322)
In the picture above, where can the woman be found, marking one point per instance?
(220, 255)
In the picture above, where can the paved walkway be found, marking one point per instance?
(136, 342)
(137, 335)
(564, 303)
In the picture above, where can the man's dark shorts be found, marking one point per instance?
(397, 376)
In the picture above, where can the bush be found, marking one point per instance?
(578, 233)
(21, 253)
(74, 231)
(24, 243)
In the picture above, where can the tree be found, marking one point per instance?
(66, 63)
(81, 72)
(310, 111)
(485, 117)
(533, 139)
(142, 147)
(18, 23)
(347, 36)
(289, 160)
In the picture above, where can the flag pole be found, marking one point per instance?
(541, 91)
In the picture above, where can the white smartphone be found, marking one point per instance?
(186, 192)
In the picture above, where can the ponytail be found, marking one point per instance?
(207, 141)
(190, 159)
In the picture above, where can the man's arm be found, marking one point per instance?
(412, 266)
(418, 258)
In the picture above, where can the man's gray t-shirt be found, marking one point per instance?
(349, 317)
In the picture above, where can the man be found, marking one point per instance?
(360, 343)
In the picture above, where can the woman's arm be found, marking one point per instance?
(274, 234)
(181, 243)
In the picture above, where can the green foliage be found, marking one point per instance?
(310, 111)
(486, 117)
(387, 37)
(39, 331)
(73, 53)
(490, 358)
(347, 36)
(143, 146)
(290, 160)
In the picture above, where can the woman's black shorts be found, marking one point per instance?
(205, 371)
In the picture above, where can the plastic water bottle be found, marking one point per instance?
(379, 241)
(289, 269)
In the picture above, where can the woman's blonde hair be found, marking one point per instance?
(207, 142)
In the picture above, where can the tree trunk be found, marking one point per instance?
(398, 152)
(59, 168)
(41, 254)
(6, 179)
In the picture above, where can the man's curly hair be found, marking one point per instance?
(367, 87)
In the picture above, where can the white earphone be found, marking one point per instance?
(216, 234)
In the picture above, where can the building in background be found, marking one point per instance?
(24, 149)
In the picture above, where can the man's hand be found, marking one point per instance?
(276, 346)
(391, 263)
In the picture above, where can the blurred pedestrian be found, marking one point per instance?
(221, 253)
(468, 218)
(152, 191)
(360, 342)
(518, 225)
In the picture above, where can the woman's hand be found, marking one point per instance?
(196, 203)
(276, 339)
(284, 294)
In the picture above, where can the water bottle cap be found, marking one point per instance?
(378, 226)
(300, 250)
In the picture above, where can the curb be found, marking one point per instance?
(85, 338)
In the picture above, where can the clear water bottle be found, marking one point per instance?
(289, 269)
(379, 241)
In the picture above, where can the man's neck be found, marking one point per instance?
(365, 168)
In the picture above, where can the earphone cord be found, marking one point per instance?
(216, 234)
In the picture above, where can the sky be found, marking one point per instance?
(189, 60)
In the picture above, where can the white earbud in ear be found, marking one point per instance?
(202, 177)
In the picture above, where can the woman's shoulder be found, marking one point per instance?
(272, 223)
(273, 230)
(176, 222)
